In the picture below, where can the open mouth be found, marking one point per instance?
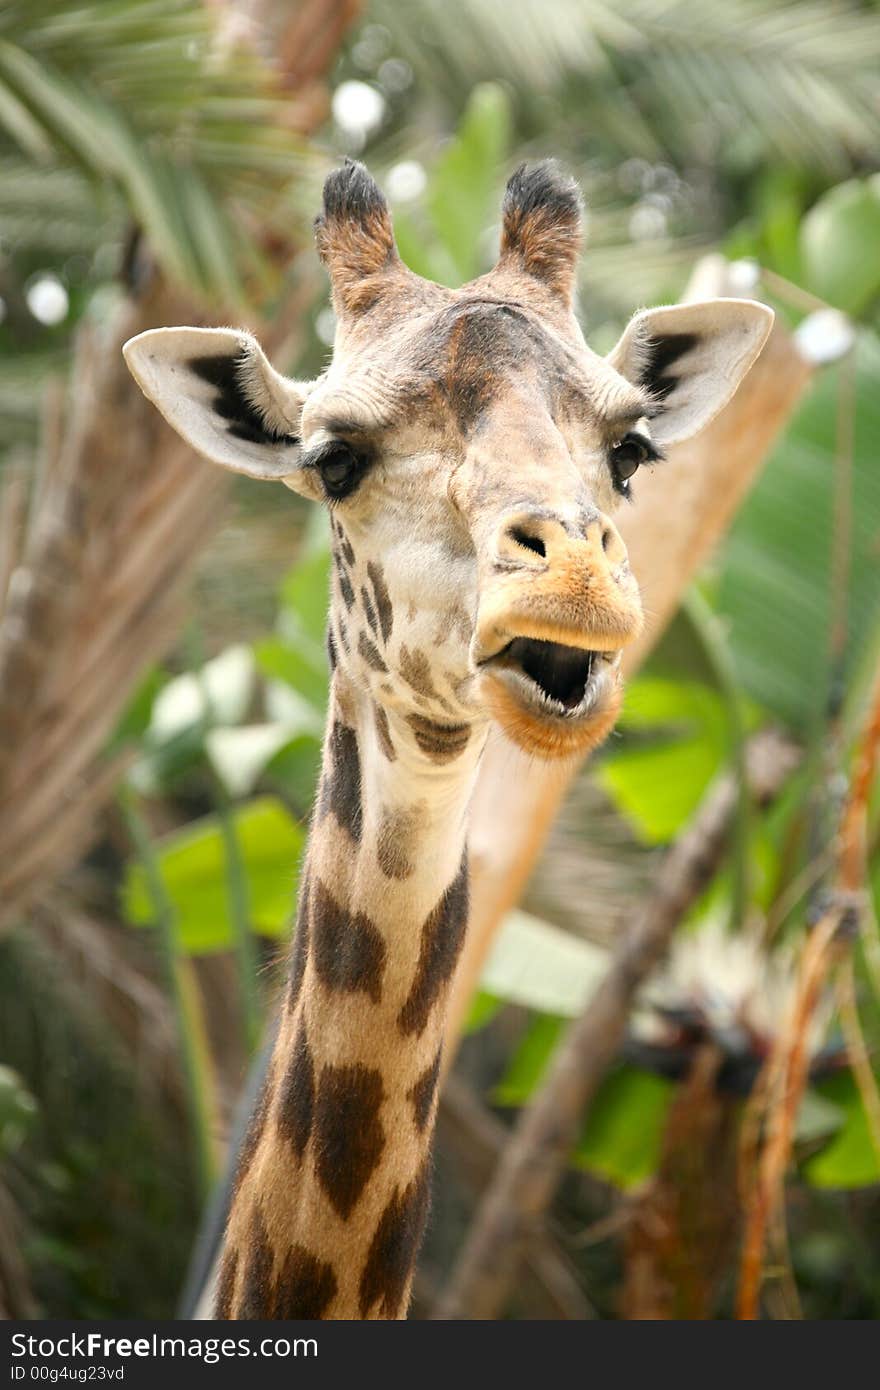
(563, 680)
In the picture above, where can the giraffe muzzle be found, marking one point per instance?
(555, 612)
(550, 698)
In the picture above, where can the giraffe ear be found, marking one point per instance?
(217, 389)
(355, 239)
(541, 225)
(691, 358)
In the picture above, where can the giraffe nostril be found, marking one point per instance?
(607, 537)
(528, 542)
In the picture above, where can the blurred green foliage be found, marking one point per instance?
(192, 864)
(751, 126)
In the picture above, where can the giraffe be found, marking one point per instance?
(470, 448)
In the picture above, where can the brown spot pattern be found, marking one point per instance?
(395, 846)
(441, 742)
(226, 1286)
(369, 611)
(384, 734)
(256, 1291)
(370, 653)
(456, 620)
(296, 1095)
(349, 1138)
(341, 787)
(349, 953)
(442, 937)
(345, 588)
(306, 1287)
(416, 671)
(384, 608)
(346, 548)
(303, 1286)
(422, 1093)
(394, 1248)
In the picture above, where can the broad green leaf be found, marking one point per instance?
(136, 719)
(543, 967)
(659, 784)
(483, 1008)
(220, 694)
(295, 769)
(240, 756)
(185, 709)
(421, 249)
(850, 1159)
(840, 237)
(818, 1118)
(164, 762)
(193, 867)
(622, 1138)
(305, 595)
(779, 212)
(462, 189)
(623, 1134)
(298, 663)
(754, 84)
(528, 1064)
(284, 705)
(775, 581)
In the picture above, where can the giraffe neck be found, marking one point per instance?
(332, 1190)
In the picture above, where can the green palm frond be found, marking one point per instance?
(191, 137)
(53, 211)
(688, 79)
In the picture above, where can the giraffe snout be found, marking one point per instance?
(557, 603)
(540, 541)
(557, 579)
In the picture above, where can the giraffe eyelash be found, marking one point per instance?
(340, 466)
(622, 463)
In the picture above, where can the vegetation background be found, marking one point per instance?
(162, 677)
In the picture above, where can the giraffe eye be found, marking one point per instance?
(627, 457)
(340, 469)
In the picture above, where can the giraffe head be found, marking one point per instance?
(471, 449)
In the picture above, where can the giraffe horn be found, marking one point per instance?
(355, 238)
(542, 224)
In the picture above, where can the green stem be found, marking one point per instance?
(240, 918)
(193, 1048)
(705, 624)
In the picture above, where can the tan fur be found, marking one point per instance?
(349, 1029)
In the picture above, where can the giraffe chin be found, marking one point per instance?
(544, 726)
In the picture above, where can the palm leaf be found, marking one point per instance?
(698, 80)
(193, 141)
